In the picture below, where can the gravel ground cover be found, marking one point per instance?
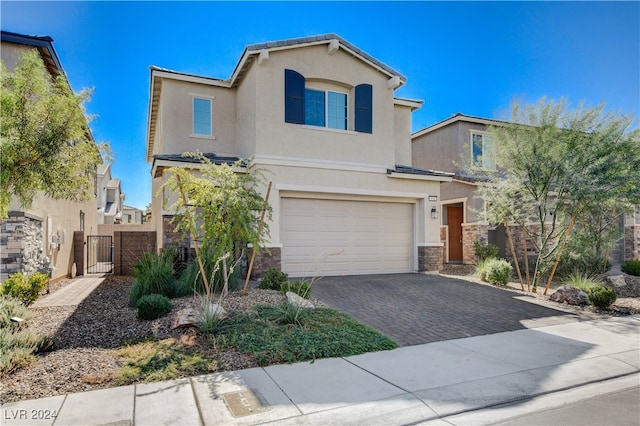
(88, 335)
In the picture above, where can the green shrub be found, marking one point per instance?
(11, 307)
(154, 275)
(632, 267)
(18, 344)
(601, 296)
(584, 262)
(191, 281)
(25, 288)
(153, 306)
(498, 271)
(481, 269)
(485, 251)
(274, 279)
(300, 287)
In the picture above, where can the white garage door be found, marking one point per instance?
(370, 237)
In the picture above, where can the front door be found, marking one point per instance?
(454, 220)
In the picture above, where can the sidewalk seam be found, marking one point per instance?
(195, 398)
(60, 409)
(283, 392)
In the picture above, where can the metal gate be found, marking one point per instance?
(99, 254)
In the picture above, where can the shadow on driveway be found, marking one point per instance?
(413, 309)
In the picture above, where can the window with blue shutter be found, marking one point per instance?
(363, 108)
(293, 97)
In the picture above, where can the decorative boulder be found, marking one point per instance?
(297, 300)
(188, 317)
(185, 318)
(617, 280)
(570, 295)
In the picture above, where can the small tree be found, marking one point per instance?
(45, 143)
(554, 162)
(219, 205)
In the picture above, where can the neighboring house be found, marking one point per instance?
(132, 215)
(320, 116)
(42, 236)
(459, 140)
(110, 197)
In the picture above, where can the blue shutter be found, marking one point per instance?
(293, 97)
(363, 110)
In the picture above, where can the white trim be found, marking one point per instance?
(193, 135)
(454, 119)
(397, 175)
(430, 244)
(175, 75)
(278, 160)
(268, 245)
(348, 191)
(413, 104)
(326, 129)
(462, 200)
(201, 96)
(465, 182)
(263, 56)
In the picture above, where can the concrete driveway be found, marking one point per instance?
(413, 309)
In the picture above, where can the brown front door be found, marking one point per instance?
(454, 220)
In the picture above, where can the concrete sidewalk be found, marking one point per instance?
(463, 381)
(73, 294)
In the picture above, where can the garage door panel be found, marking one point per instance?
(372, 237)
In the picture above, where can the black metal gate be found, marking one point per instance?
(99, 254)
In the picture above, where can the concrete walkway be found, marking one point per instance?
(73, 294)
(460, 382)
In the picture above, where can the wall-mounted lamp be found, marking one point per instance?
(434, 212)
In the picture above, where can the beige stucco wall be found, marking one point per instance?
(373, 185)
(446, 149)
(12, 52)
(176, 123)
(402, 139)
(65, 215)
(340, 72)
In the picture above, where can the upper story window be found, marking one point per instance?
(482, 151)
(325, 109)
(307, 105)
(202, 117)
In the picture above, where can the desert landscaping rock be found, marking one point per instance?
(297, 300)
(617, 280)
(570, 295)
(88, 335)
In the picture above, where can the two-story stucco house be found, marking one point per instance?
(320, 115)
(462, 139)
(110, 198)
(41, 236)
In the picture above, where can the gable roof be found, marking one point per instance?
(252, 53)
(44, 44)
(253, 50)
(454, 119)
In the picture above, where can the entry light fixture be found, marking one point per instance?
(434, 212)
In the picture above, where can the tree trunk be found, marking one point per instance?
(195, 241)
(561, 249)
(513, 253)
(526, 257)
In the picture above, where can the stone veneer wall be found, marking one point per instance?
(430, 259)
(21, 245)
(632, 242)
(266, 259)
(472, 232)
(171, 237)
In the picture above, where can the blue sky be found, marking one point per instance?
(469, 57)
